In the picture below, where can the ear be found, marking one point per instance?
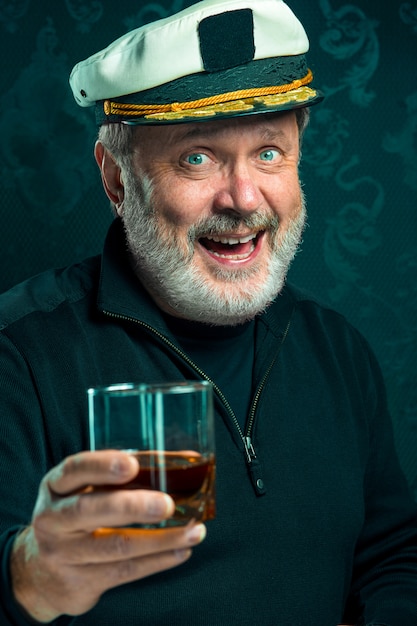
(111, 176)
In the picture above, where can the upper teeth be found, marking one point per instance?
(232, 240)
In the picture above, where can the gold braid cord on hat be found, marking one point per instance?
(242, 100)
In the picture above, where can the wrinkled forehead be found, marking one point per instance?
(268, 126)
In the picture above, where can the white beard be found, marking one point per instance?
(167, 271)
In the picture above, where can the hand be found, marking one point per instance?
(69, 556)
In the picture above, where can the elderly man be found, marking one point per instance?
(201, 117)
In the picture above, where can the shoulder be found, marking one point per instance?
(47, 291)
(317, 322)
(310, 305)
(323, 337)
(302, 303)
(305, 298)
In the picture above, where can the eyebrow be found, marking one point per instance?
(266, 133)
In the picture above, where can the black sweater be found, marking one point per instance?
(330, 538)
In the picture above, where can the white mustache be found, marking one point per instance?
(227, 224)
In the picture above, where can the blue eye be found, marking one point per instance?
(196, 159)
(268, 155)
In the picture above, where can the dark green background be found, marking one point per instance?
(359, 167)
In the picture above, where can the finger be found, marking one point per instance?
(87, 511)
(95, 579)
(108, 545)
(130, 570)
(84, 583)
(91, 468)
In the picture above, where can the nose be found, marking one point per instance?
(238, 191)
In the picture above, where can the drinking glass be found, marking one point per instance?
(169, 428)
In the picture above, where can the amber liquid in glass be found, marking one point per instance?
(186, 476)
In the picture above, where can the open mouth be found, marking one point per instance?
(231, 248)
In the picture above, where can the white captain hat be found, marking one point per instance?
(215, 59)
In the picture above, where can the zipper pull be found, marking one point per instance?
(254, 467)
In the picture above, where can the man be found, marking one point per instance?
(201, 119)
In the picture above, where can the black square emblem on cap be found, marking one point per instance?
(227, 40)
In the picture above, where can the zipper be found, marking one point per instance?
(251, 458)
(254, 466)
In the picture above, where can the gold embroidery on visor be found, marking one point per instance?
(234, 101)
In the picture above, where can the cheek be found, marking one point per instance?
(286, 201)
(173, 226)
(177, 208)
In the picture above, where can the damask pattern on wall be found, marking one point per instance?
(359, 162)
(368, 240)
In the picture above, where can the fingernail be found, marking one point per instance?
(160, 505)
(122, 467)
(183, 555)
(196, 534)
